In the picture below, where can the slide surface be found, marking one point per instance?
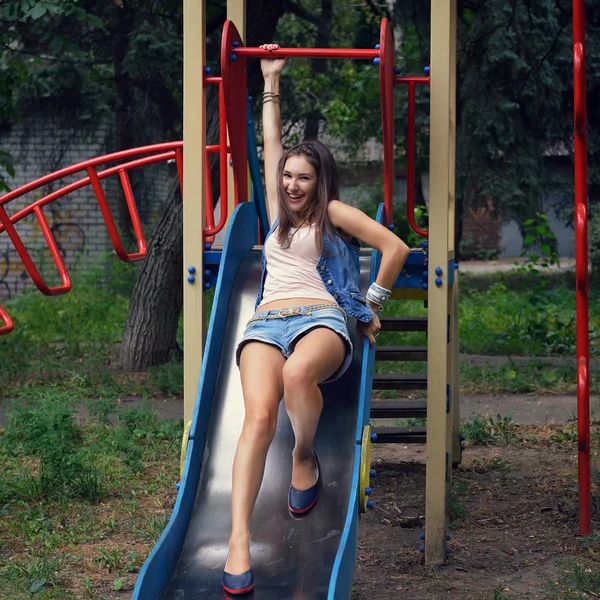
(291, 558)
(301, 559)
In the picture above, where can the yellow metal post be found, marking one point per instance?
(438, 457)
(453, 293)
(194, 139)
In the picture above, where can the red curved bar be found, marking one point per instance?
(352, 53)
(8, 324)
(235, 106)
(110, 222)
(581, 267)
(26, 258)
(93, 162)
(386, 85)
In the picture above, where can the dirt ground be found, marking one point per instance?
(514, 510)
(516, 523)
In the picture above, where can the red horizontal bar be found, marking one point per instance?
(8, 324)
(422, 79)
(356, 53)
(213, 79)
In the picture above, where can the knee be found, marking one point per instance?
(261, 424)
(297, 377)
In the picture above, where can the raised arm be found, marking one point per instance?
(271, 119)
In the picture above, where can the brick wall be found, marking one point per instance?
(40, 147)
(481, 234)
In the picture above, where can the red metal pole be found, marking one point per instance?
(410, 161)
(581, 266)
(352, 53)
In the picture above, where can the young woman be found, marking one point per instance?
(298, 337)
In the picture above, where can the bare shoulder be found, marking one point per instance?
(345, 217)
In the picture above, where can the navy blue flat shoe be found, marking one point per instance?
(236, 585)
(301, 501)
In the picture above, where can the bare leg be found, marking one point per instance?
(317, 356)
(261, 368)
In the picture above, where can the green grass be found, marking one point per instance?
(86, 497)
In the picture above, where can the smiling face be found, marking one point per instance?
(299, 183)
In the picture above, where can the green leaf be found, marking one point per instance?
(512, 374)
(118, 583)
(38, 11)
(36, 586)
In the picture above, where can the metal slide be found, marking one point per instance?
(307, 558)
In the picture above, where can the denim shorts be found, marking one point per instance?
(284, 328)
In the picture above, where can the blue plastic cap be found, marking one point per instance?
(207, 285)
(206, 272)
(377, 46)
(397, 71)
(236, 44)
(425, 275)
(233, 57)
(368, 491)
(425, 245)
(178, 485)
(456, 266)
(376, 61)
(462, 437)
(230, 161)
(438, 281)
(422, 535)
(391, 227)
(448, 536)
(249, 98)
(426, 69)
(207, 246)
(438, 271)
(370, 504)
(372, 473)
(191, 279)
(448, 549)
(207, 70)
(192, 269)
(373, 437)
(421, 548)
(424, 285)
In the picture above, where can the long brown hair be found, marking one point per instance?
(319, 156)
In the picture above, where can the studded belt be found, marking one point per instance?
(295, 312)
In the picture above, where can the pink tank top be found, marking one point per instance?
(292, 272)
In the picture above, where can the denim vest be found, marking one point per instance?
(339, 269)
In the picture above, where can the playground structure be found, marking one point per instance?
(429, 273)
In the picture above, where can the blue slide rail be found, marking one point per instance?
(340, 586)
(160, 564)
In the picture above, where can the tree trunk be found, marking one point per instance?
(151, 328)
(150, 336)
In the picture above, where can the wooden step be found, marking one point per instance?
(401, 353)
(398, 409)
(399, 381)
(403, 323)
(400, 435)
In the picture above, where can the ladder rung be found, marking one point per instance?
(403, 323)
(401, 353)
(400, 435)
(398, 409)
(399, 381)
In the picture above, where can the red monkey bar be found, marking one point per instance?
(581, 266)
